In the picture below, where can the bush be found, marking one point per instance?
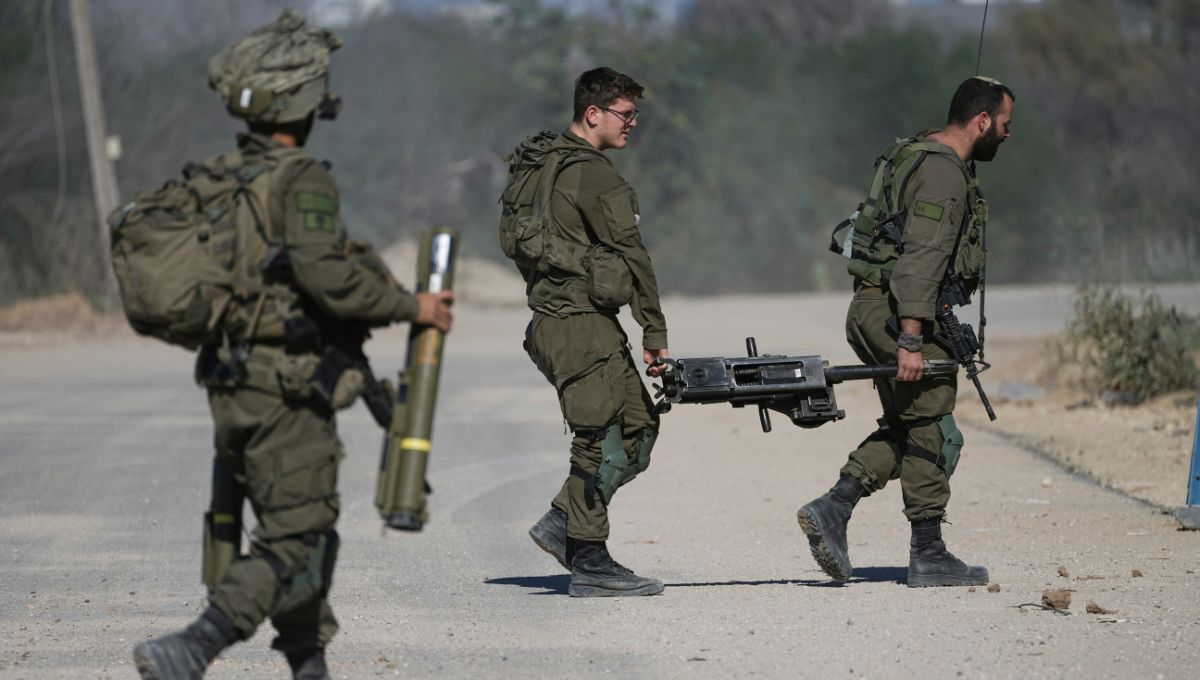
(1128, 357)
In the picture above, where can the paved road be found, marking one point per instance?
(104, 448)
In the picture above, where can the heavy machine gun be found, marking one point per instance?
(799, 387)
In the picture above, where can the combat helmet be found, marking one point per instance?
(279, 73)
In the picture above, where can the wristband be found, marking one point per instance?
(910, 341)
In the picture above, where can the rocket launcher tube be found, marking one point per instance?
(401, 490)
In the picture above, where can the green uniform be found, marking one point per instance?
(917, 424)
(581, 348)
(281, 443)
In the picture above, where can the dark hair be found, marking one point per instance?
(975, 96)
(601, 87)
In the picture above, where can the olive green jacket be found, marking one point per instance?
(935, 204)
(593, 203)
(303, 208)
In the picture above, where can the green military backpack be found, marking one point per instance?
(176, 250)
(526, 226)
(875, 238)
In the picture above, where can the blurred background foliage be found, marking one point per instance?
(758, 133)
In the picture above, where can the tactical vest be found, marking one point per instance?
(197, 259)
(875, 239)
(529, 237)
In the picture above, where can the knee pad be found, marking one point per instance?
(618, 467)
(642, 445)
(614, 463)
(952, 443)
(312, 579)
(947, 454)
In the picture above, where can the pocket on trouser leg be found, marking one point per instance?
(593, 401)
(952, 442)
(294, 485)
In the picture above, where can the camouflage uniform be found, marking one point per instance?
(282, 444)
(274, 432)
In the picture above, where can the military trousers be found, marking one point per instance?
(285, 455)
(586, 357)
(911, 415)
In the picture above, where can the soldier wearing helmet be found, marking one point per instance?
(275, 434)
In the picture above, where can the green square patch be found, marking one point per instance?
(318, 221)
(932, 211)
(308, 201)
(317, 210)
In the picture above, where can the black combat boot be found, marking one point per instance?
(594, 573)
(186, 654)
(550, 534)
(825, 520)
(308, 664)
(930, 564)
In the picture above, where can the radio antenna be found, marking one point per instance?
(979, 54)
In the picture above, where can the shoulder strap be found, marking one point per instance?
(556, 162)
(270, 165)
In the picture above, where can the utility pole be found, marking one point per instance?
(104, 185)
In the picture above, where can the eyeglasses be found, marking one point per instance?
(627, 116)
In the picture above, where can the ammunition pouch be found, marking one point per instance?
(298, 588)
(222, 526)
(609, 280)
(295, 373)
(337, 380)
(216, 366)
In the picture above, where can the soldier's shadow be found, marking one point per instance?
(556, 584)
(545, 585)
(861, 575)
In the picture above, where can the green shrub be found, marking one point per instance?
(1126, 355)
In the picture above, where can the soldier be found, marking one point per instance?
(596, 264)
(921, 223)
(272, 430)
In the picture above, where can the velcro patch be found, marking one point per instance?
(318, 221)
(308, 201)
(317, 209)
(932, 211)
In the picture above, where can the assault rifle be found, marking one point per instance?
(958, 339)
(800, 387)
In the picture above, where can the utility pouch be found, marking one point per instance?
(525, 241)
(222, 525)
(609, 280)
(295, 373)
(215, 368)
(336, 381)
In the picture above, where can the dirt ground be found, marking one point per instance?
(106, 457)
(1143, 451)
